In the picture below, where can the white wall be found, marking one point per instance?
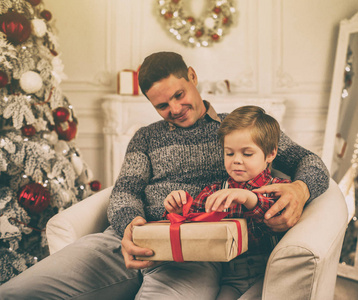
(279, 48)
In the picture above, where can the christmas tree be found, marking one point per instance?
(41, 170)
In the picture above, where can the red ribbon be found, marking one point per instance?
(135, 83)
(176, 220)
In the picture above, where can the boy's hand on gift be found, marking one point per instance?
(293, 197)
(175, 201)
(129, 250)
(223, 199)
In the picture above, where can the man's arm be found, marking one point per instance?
(126, 208)
(126, 201)
(302, 164)
(311, 179)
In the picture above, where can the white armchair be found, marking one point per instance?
(303, 265)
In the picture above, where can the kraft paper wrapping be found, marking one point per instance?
(200, 241)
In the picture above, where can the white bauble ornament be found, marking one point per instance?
(39, 27)
(209, 22)
(31, 82)
(77, 164)
(51, 137)
(62, 148)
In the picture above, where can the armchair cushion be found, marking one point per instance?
(85, 217)
(311, 250)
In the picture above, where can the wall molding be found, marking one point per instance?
(283, 79)
(248, 79)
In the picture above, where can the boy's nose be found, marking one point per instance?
(238, 159)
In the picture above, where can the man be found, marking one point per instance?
(180, 152)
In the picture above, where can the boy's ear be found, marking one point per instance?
(271, 156)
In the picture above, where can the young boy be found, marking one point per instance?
(250, 140)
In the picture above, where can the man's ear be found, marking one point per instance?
(271, 156)
(192, 76)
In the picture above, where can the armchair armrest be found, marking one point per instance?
(304, 263)
(85, 217)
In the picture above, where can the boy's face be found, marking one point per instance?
(244, 160)
(177, 100)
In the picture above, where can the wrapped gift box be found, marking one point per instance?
(127, 83)
(200, 241)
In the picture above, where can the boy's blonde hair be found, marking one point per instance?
(265, 130)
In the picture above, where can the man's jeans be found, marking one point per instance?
(93, 268)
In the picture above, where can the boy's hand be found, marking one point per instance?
(223, 199)
(175, 201)
(129, 250)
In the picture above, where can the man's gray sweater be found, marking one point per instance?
(159, 160)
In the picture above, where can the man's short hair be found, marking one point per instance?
(160, 65)
(265, 130)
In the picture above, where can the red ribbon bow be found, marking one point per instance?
(176, 220)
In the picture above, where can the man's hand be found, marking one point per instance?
(129, 250)
(293, 197)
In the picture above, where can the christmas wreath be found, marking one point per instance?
(204, 31)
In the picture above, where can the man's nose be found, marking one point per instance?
(175, 107)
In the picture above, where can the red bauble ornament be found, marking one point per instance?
(46, 15)
(215, 37)
(95, 185)
(28, 130)
(168, 15)
(4, 80)
(217, 9)
(16, 27)
(199, 33)
(66, 130)
(61, 114)
(34, 197)
(225, 20)
(34, 2)
(190, 19)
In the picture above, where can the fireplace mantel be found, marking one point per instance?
(124, 114)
